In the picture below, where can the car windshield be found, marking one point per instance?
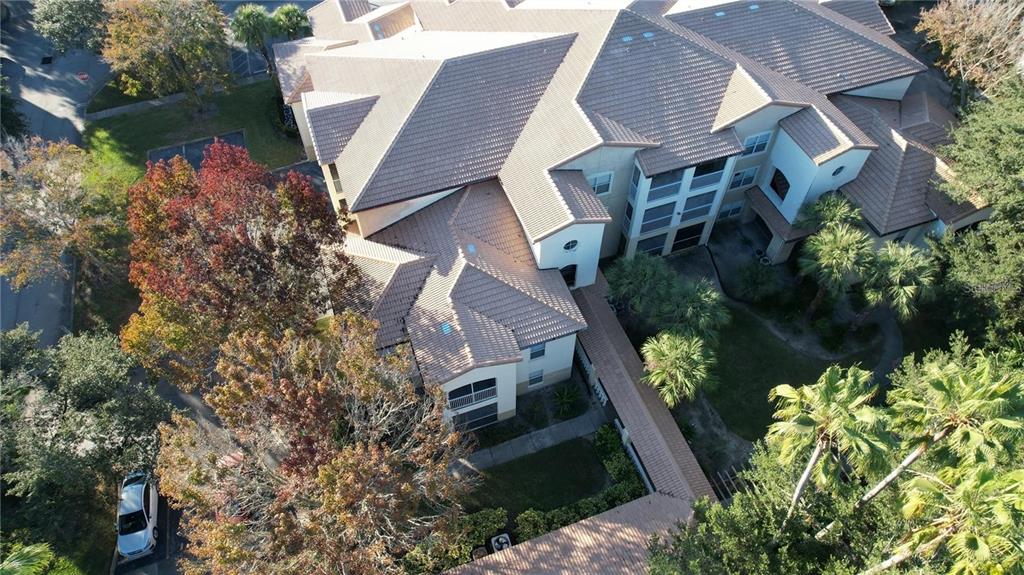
(131, 523)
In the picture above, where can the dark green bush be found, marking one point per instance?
(530, 523)
(757, 282)
(567, 401)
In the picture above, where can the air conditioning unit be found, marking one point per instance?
(499, 542)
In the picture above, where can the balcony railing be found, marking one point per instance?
(472, 398)
(706, 180)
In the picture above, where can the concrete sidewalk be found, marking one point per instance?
(585, 424)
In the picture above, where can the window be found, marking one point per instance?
(477, 418)
(570, 246)
(707, 174)
(756, 144)
(537, 350)
(687, 237)
(697, 206)
(665, 184)
(652, 246)
(743, 178)
(378, 32)
(472, 393)
(838, 171)
(536, 377)
(635, 182)
(730, 210)
(629, 218)
(336, 177)
(657, 217)
(601, 183)
(780, 184)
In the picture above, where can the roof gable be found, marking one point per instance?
(332, 118)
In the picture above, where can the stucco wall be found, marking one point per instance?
(303, 125)
(891, 90)
(556, 363)
(807, 181)
(505, 384)
(376, 219)
(551, 254)
(618, 160)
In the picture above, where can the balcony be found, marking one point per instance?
(472, 398)
(706, 180)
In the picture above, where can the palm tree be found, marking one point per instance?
(27, 560)
(252, 26)
(698, 309)
(678, 366)
(834, 420)
(291, 21)
(966, 399)
(975, 512)
(835, 257)
(830, 208)
(899, 276)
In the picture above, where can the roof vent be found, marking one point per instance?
(471, 248)
(627, 39)
(648, 35)
(446, 328)
(753, 7)
(719, 14)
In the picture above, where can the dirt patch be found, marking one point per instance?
(718, 450)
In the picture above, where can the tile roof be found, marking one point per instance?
(615, 134)
(867, 12)
(771, 215)
(611, 543)
(661, 84)
(290, 62)
(809, 43)
(579, 197)
(474, 109)
(662, 449)
(332, 118)
(924, 118)
(483, 299)
(893, 185)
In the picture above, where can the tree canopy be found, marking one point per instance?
(70, 24)
(226, 247)
(363, 474)
(168, 46)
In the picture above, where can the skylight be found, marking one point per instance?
(753, 7)
(627, 39)
(648, 35)
(471, 248)
(446, 328)
(719, 14)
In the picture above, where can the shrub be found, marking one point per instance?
(434, 554)
(757, 282)
(531, 523)
(484, 524)
(567, 401)
(560, 517)
(831, 334)
(619, 467)
(536, 415)
(607, 441)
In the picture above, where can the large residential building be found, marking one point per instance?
(492, 151)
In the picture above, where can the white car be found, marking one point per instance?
(136, 517)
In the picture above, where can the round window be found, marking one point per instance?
(838, 171)
(570, 246)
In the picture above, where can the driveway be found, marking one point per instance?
(52, 97)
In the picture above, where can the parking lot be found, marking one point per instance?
(193, 151)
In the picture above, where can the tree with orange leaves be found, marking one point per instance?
(339, 464)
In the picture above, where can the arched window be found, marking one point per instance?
(570, 246)
(838, 171)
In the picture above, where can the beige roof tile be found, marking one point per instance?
(655, 435)
(473, 109)
(332, 118)
(483, 298)
(807, 42)
(611, 543)
(290, 62)
(867, 12)
(579, 197)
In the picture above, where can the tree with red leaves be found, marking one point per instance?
(226, 247)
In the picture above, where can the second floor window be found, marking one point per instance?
(697, 206)
(665, 184)
(756, 144)
(779, 184)
(472, 393)
(743, 178)
(537, 351)
(601, 183)
(657, 217)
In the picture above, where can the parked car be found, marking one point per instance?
(136, 517)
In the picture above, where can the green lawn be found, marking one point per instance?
(111, 96)
(751, 361)
(121, 143)
(544, 480)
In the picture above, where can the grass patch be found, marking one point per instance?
(122, 143)
(111, 96)
(544, 480)
(751, 361)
